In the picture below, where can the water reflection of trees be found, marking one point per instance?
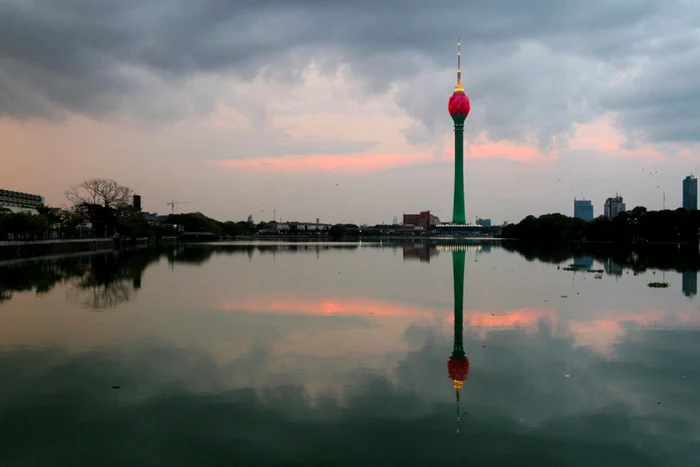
(39, 276)
(110, 280)
(194, 254)
(637, 258)
(197, 254)
(99, 281)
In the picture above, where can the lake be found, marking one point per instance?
(312, 354)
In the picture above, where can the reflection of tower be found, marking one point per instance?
(459, 107)
(458, 364)
(690, 283)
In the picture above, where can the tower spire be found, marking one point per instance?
(459, 66)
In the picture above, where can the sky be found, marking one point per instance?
(337, 110)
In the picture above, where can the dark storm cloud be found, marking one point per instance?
(533, 68)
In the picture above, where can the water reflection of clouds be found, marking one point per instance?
(518, 398)
(599, 329)
(610, 379)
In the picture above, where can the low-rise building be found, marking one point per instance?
(17, 201)
(298, 227)
(422, 221)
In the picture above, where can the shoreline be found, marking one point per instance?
(23, 249)
(11, 251)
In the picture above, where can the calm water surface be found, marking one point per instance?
(318, 354)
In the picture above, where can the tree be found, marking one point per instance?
(101, 201)
(101, 191)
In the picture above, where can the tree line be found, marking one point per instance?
(638, 225)
(98, 208)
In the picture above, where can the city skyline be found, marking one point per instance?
(245, 109)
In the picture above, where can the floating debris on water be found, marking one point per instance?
(575, 267)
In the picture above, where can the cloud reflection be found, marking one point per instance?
(547, 385)
(185, 407)
(599, 333)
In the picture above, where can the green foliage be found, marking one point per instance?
(22, 226)
(196, 222)
(103, 218)
(234, 229)
(339, 231)
(133, 224)
(106, 221)
(680, 225)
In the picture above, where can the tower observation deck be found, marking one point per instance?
(459, 107)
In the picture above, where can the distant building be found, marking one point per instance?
(18, 199)
(298, 227)
(690, 283)
(583, 209)
(395, 221)
(690, 192)
(137, 203)
(614, 206)
(483, 222)
(422, 221)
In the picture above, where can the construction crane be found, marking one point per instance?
(174, 203)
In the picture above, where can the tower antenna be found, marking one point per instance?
(459, 66)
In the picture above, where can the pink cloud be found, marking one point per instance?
(506, 151)
(327, 163)
(363, 163)
(601, 136)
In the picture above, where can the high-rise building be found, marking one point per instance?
(583, 209)
(690, 192)
(690, 283)
(137, 203)
(614, 206)
(459, 107)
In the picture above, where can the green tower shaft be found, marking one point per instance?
(458, 214)
(458, 262)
